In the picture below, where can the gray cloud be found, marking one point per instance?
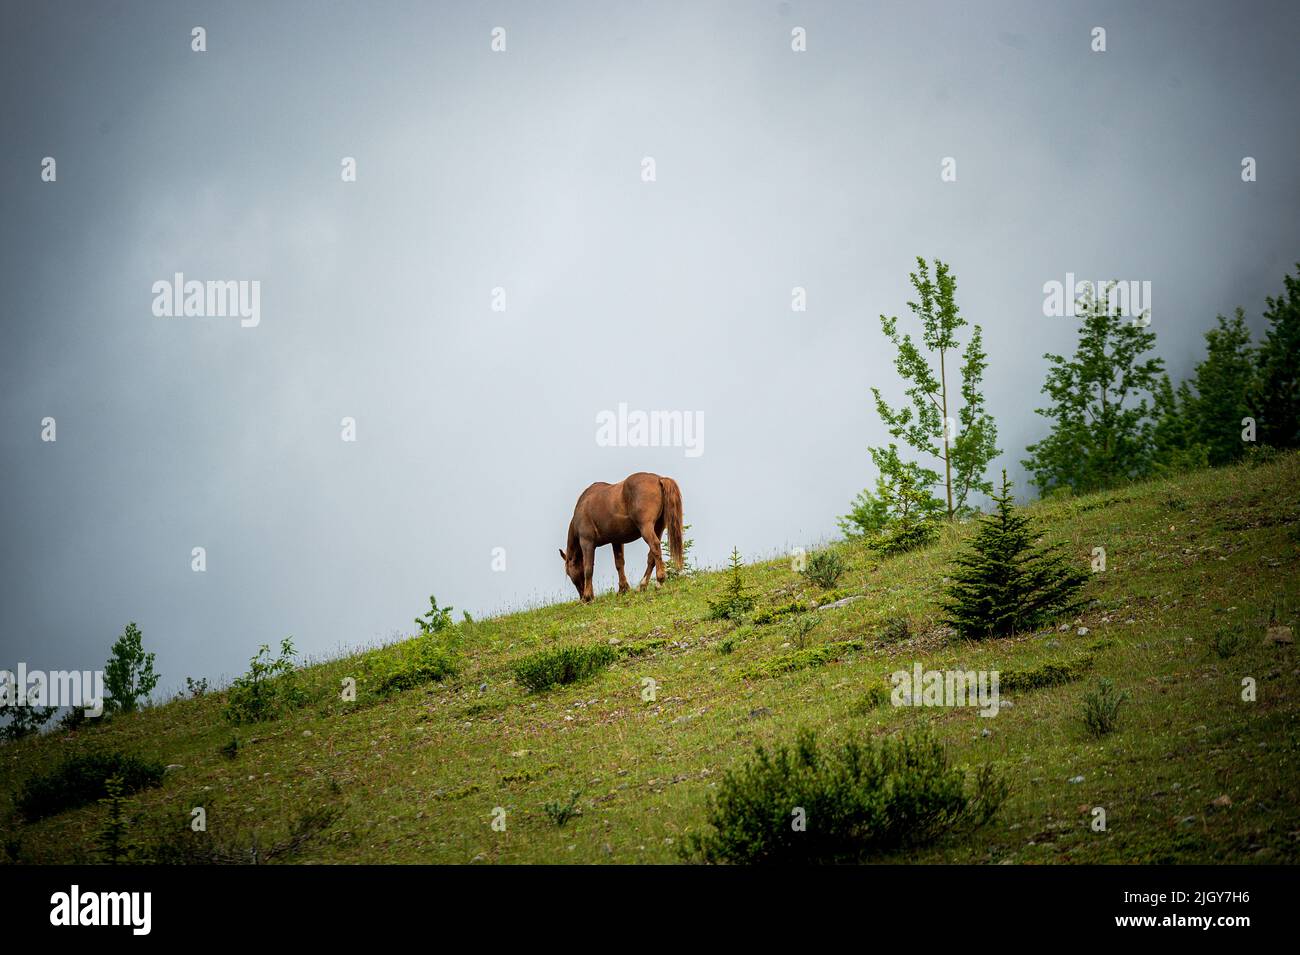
(521, 170)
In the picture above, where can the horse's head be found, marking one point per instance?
(573, 567)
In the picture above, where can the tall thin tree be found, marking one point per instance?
(964, 438)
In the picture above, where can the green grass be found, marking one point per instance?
(415, 775)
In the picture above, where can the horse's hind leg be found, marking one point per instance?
(649, 569)
(618, 562)
(655, 559)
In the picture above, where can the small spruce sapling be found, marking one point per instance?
(736, 600)
(1005, 583)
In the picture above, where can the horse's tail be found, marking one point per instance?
(673, 517)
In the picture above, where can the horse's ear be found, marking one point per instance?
(563, 555)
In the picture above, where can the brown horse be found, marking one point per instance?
(641, 505)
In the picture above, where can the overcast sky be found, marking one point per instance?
(522, 170)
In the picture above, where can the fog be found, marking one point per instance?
(500, 275)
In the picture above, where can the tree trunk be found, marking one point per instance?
(947, 465)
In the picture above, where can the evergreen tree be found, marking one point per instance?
(1103, 423)
(1176, 438)
(963, 439)
(1223, 384)
(670, 561)
(913, 514)
(1278, 394)
(736, 599)
(113, 841)
(1006, 584)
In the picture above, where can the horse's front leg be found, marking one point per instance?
(588, 568)
(618, 563)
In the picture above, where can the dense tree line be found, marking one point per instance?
(1115, 415)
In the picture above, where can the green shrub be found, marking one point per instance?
(437, 619)
(639, 648)
(770, 614)
(1227, 642)
(128, 674)
(735, 602)
(26, 720)
(74, 719)
(1101, 708)
(1258, 455)
(547, 668)
(855, 800)
(802, 659)
(877, 695)
(167, 840)
(81, 780)
(902, 515)
(561, 812)
(268, 688)
(912, 513)
(825, 568)
(800, 629)
(424, 659)
(896, 629)
(460, 792)
(1112, 499)
(1045, 674)
(905, 535)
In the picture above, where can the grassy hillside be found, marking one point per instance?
(415, 776)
